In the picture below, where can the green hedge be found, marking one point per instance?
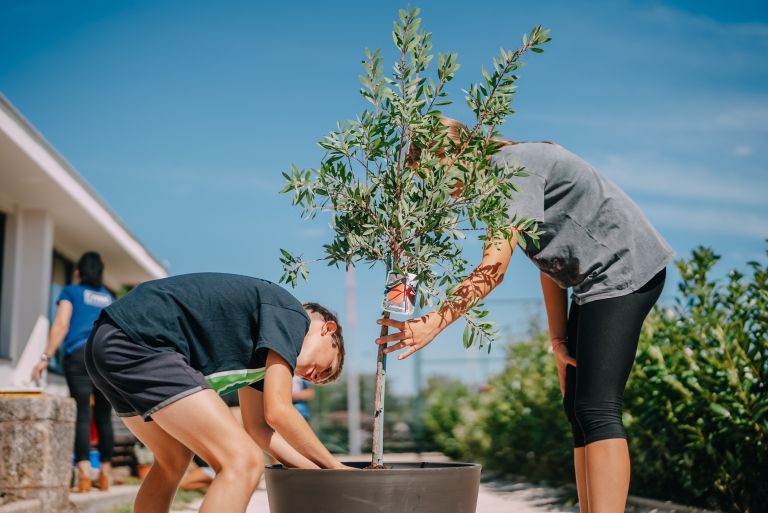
(696, 407)
(514, 425)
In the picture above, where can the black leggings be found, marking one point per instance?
(80, 388)
(602, 336)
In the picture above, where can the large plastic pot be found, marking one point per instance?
(400, 488)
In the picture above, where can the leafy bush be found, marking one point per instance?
(515, 425)
(697, 404)
(444, 420)
(525, 422)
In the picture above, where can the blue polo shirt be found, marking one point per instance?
(87, 303)
(299, 385)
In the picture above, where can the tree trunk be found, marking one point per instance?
(377, 454)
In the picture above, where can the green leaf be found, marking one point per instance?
(720, 410)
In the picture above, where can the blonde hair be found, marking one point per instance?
(455, 127)
(454, 133)
(337, 336)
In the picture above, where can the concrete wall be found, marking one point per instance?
(36, 438)
(26, 290)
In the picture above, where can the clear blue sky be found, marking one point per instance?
(182, 114)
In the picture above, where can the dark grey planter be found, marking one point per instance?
(400, 488)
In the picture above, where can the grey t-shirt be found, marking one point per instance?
(595, 239)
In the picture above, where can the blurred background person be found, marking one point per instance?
(78, 307)
(302, 394)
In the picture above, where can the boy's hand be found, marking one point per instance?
(341, 466)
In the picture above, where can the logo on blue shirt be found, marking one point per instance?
(97, 299)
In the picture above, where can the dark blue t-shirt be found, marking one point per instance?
(87, 303)
(223, 325)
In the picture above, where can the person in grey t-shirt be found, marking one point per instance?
(597, 243)
(596, 240)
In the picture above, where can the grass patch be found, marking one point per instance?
(123, 508)
(182, 500)
(185, 497)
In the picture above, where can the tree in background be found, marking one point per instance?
(408, 216)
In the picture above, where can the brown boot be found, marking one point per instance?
(83, 485)
(103, 482)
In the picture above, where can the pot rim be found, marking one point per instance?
(408, 466)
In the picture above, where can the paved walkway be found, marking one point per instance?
(518, 498)
(497, 496)
(501, 497)
(494, 497)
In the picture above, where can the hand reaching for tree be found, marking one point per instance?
(413, 334)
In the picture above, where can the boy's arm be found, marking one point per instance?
(282, 416)
(252, 408)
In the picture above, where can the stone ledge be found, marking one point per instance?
(56, 408)
(28, 506)
(36, 438)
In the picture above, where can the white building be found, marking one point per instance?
(49, 216)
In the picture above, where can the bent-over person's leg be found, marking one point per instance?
(608, 333)
(142, 382)
(569, 399)
(203, 423)
(171, 459)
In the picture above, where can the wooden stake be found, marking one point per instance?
(377, 454)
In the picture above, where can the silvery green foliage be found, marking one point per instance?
(385, 209)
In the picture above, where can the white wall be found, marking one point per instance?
(26, 289)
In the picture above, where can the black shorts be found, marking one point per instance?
(137, 380)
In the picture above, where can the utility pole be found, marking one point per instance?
(418, 399)
(353, 380)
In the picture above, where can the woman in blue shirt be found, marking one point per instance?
(79, 305)
(301, 394)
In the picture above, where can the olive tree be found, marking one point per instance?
(406, 215)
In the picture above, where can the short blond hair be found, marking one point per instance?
(338, 337)
(456, 129)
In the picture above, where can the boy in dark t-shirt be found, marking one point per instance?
(162, 352)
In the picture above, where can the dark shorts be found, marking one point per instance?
(137, 380)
